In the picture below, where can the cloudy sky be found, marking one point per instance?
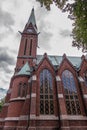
(54, 27)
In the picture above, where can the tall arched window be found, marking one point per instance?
(22, 89)
(70, 92)
(46, 93)
(19, 89)
(25, 47)
(30, 51)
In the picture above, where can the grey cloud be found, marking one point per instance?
(43, 26)
(4, 67)
(2, 36)
(5, 34)
(6, 19)
(1, 2)
(16, 3)
(5, 57)
(17, 36)
(65, 33)
(44, 39)
(14, 51)
(8, 75)
(7, 70)
(5, 60)
(6, 22)
(5, 81)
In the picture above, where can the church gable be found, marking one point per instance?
(83, 66)
(45, 64)
(66, 65)
(83, 72)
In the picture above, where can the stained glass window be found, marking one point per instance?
(22, 89)
(46, 93)
(85, 77)
(70, 92)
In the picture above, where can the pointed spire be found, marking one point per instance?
(32, 19)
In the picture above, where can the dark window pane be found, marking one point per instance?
(67, 97)
(68, 107)
(41, 89)
(22, 89)
(41, 96)
(46, 96)
(71, 97)
(46, 107)
(51, 96)
(51, 107)
(76, 97)
(41, 107)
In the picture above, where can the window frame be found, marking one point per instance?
(22, 89)
(71, 93)
(46, 96)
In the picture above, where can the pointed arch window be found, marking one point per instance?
(25, 47)
(70, 92)
(46, 93)
(30, 51)
(22, 89)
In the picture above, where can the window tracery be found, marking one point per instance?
(46, 93)
(70, 92)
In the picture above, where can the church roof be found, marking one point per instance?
(56, 60)
(25, 70)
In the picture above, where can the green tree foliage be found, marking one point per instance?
(80, 24)
(2, 101)
(47, 3)
(77, 12)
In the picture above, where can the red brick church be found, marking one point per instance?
(46, 92)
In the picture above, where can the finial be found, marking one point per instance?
(64, 56)
(33, 8)
(45, 54)
(83, 57)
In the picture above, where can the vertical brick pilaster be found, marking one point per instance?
(83, 95)
(60, 96)
(33, 96)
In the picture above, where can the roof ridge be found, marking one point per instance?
(56, 60)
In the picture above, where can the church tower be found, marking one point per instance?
(16, 110)
(28, 44)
